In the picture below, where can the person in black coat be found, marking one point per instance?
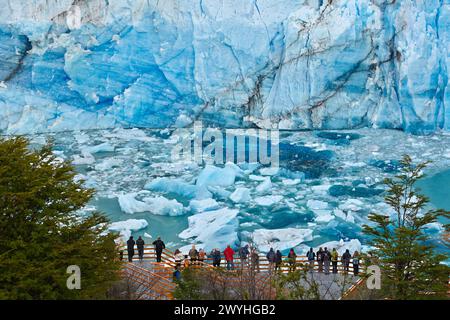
(278, 260)
(130, 248)
(216, 257)
(346, 257)
(140, 246)
(159, 247)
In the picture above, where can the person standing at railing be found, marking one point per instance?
(311, 258)
(215, 255)
(159, 247)
(229, 253)
(193, 254)
(356, 263)
(254, 256)
(186, 261)
(271, 257)
(120, 245)
(319, 257)
(292, 259)
(346, 260)
(130, 248)
(334, 260)
(178, 256)
(326, 260)
(140, 246)
(243, 254)
(201, 255)
(278, 260)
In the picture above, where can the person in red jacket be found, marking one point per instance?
(228, 253)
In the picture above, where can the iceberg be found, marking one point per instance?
(264, 186)
(156, 205)
(213, 229)
(280, 239)
(164, 207)
(179, 187)
(103, 147)
(240, 195)
(126, 227)
(197, 206)
(129, 204)
(219, 177)
(267, 201)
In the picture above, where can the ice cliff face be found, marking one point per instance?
(331, 64)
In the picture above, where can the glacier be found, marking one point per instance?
(295, 64)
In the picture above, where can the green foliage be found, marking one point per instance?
(40, 233)
(189, 287)
(410, 266)
(297, 285)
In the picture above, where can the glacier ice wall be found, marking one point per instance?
(314, 64)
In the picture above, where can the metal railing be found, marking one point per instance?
(168, 260)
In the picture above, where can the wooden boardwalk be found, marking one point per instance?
(152, 280)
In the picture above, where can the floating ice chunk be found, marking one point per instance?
(256, 178)
(213, 229)
(103, 147)
(203, 205)
(126, 227)
(222, 177)
(316, 205)
(179, 187)
(321, 188)
(290, 182)
(108, 164)
(265, 186)
(280, 239)
(3, 85)
(352, 205)
(86, 158)
(353, 245)
(220, 192)
(249, 167)
(240, 195)
(340, 214)
(271, 171)
(164, 207)
(147, 235)
(129, 204)
(248, 224)
(129, 134)
(268, 200)
(323, 216)
(344, 216)
(291, 174)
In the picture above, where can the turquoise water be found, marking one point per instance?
(165, 226)
(437, 188)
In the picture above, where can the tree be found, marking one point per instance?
(41, 232)
(411, 269)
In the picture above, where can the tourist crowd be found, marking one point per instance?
(249, 257)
